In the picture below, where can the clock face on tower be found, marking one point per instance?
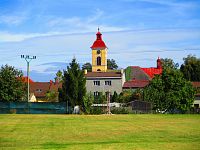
(98, 51)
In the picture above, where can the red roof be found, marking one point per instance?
(25, 79)
(196, 84)
(135, 84)
(41, 88)
(103, 74)
(99, 43)
(151, 72)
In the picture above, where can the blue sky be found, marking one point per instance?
(136, 32)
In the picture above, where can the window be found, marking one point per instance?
(97, 83)
(96, 93)
(108, 83)
(38, 90)
(98, 51)
(98, 61)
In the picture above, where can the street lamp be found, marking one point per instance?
(28, 60)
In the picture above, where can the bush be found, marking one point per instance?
(120, 110)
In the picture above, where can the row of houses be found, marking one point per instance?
(101, 79)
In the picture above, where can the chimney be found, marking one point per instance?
(159, 63)
(51, 82)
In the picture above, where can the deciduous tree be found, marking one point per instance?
(87, 66)
(112, 64)
(191, 68)
(12, 88)
(170, 91)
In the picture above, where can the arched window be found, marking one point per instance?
(98, 69)
(98, 61)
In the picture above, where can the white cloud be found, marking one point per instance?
(12, 19)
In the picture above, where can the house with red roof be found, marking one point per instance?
(196, 103)
(138, 77)
(38, 90)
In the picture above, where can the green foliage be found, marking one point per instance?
(12, 88)
(97, 110)
(112, 64)
(120, 110)
(88, 101)
(114, 97)
(73, 88)
(87, 66)
(59, 76)
(125, 96)
(168, 63)
(100, 99)
(170, 91)
(52, 96)
(128, 73)
(191, 68)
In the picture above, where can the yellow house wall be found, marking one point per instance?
(103, 56)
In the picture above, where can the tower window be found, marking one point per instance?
(98, 61)
(98, 51)
(97, 83)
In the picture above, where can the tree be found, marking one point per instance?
(168, 63)
(52, 96)
(170, 91)
(73, 87)
(59, 76)
(12, 88)
(87, 66)
(88, 101)
(111, 64)
(191, 68)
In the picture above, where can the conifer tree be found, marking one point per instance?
(73, 88)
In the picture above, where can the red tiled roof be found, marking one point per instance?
(25, 79)
(103, 74)
(151, 72)
(196, 84)
(41, 88)
(99, 43)
(135, 84)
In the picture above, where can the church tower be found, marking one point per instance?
(99, 54)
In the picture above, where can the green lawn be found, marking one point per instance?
(123, 132)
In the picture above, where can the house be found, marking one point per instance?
(101, 80)
(39, 90)
(97, 82)
(196, 103)
(138, 77)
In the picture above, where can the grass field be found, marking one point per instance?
(123, 132)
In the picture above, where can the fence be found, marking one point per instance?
(139, 106)
(34, 108)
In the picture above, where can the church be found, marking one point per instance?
(102, 80)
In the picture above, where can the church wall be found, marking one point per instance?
(116, 85)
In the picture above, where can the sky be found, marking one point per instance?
(136, 32)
